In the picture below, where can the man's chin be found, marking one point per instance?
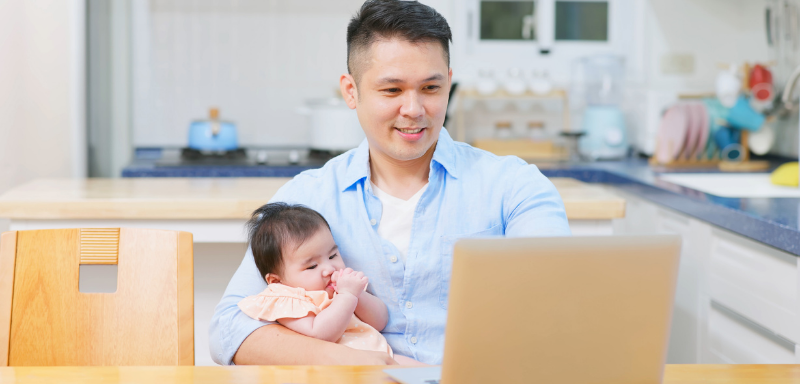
(408, 151)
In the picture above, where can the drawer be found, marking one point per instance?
(756, 281)
(735, 340)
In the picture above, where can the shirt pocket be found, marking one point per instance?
(448, 241)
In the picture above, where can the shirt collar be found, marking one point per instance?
(444, 155)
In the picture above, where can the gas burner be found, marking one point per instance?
(322, 155)
(194, 154)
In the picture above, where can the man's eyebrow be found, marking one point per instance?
(392, 80)
(389, 80)
(437, 76)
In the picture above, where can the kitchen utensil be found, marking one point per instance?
(503, 130)
(605, 137)
(212, 134)
(728, 87)
(725, 137)
(761, 83)
(540, 83)
(334, 126)
(733, 152)
(761, 141)
(743, 116)
(671, 134)
(486, 84)
(514, 82)
(788, 92)
(717, 118)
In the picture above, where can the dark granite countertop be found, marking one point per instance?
(772, 221)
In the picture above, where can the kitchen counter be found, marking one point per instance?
(218, 198)
(771, 221)
(215, 209)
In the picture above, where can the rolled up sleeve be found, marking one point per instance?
(230, 326)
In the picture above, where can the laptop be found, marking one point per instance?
(557, 310)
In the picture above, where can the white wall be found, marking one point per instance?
(41, 90)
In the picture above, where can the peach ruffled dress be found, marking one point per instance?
(281, 301)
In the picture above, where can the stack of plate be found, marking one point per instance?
(687, 129)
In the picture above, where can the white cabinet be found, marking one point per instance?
(736, 300)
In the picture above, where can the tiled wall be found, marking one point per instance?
(256, 60)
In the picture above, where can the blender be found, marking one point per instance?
(604, 130)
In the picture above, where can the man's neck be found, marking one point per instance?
(401, 179)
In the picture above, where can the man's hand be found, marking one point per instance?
(350, 281)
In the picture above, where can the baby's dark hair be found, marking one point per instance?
(275, 226)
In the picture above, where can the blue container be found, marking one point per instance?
(743, 116)
(202, 137)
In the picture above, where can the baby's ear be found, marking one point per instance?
(272, 278)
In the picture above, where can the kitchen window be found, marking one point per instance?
(507, 20)
(584, 20)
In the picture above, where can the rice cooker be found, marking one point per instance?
(334, 126)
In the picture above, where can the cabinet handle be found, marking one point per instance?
(753, 326)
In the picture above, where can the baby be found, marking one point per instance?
(310, 291)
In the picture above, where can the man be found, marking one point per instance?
(398, 202)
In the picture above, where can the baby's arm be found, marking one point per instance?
(372, 311)
(330, 323)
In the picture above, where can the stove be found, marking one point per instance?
(241, 157)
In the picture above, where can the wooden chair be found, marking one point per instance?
(45, 320)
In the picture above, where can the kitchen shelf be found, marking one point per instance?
(501, 94)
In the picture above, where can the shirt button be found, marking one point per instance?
(413, 340)
(373, 222)
(409, 304)
(393, 259)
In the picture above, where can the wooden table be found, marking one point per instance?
(674, 374)
(215, 209)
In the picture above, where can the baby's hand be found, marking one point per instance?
(348, 280)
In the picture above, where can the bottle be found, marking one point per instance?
(502, 130)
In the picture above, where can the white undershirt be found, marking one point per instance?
(396, 218)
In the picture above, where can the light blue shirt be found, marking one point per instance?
(470, 193)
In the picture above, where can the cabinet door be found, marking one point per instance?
(687, 315)
(643, 217)
(734, 339)
(756, 281)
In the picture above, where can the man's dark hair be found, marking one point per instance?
(275, 226)
(387, 19)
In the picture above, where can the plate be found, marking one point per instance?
(692, 130)
(703, 132)
(671, 134)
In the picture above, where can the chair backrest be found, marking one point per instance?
(45, 320)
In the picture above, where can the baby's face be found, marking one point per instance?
(311, 265)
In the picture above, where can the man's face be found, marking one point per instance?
(401, 96)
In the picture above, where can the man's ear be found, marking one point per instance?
(272, 278)
(349, 91)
